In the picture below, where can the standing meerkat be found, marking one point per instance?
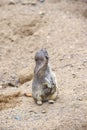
(44, 85)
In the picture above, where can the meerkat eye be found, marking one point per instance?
(36, 59)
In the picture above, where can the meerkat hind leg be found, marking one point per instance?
(51, 101)
(52, 98)
(39, 102)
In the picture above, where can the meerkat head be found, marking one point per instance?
(41, 59)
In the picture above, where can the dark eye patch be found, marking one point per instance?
(36, 59)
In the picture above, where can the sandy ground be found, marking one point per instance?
(60, 26)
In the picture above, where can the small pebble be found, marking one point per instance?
(42, 13)
(12, 2)
(28, 94)
(80, 99)
(41, 1)
(18, 118)
(43, 111)
(74, 75)
(0, 86)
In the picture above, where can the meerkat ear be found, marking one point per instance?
(47, 57)
(45, 53)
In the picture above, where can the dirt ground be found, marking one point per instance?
(60, 26)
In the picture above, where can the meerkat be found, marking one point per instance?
(44, 85)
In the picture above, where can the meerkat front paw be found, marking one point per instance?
(46, 85)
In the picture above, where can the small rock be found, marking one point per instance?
(80, 99)
(42, 13)
(32, 111)
(28, 94)
(18, 118)
(42, 1)
(1, 87)
(30, 2)
(74, 75)
(12, 2)
(43, 111)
